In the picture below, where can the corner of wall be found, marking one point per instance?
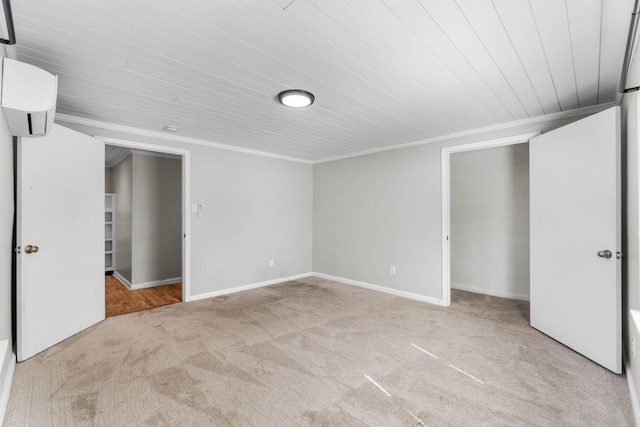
(7, 216)
(7, 366)
(630, 245)
(632, 370)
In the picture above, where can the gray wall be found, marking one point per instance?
(384, 209)
(254, 209)
(489, 230)
(123, 189)
(6, 247)
(157, 219)
(108, 180)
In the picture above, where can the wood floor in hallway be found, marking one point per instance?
(120, 300)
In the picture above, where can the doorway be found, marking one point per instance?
(146, 259)
(121, 300)
(475, 227)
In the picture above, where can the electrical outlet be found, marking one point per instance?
(392, 270)
(633, 347)
(272, 263)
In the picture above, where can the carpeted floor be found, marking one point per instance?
(315, 352)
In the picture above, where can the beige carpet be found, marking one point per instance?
(314, 352)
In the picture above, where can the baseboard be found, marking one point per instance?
(491, 292)
(247, 287)
(8, 367)
(396, 292)
(145, 285)
(632, 390)
(122, 279)
(391, 291)
(155, 283)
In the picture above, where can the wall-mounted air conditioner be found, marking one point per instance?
(28, 98)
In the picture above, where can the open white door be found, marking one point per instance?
(576, 236)
(60, 235)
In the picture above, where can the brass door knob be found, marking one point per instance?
(31, 249)
(605, 254)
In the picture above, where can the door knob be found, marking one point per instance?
(31, 249)
(605, 254)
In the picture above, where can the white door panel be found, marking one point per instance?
(575, 213)
(60, 209)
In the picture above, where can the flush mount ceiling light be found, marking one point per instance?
(171, 128)
(296, 98)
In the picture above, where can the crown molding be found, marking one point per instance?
(155, 154)
(539, 119)
(172, 138)
(188, 140)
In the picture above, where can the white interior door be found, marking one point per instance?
(60, 210)
(575, 236)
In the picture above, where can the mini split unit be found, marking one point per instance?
(28, 98)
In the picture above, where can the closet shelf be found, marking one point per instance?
(109, 232)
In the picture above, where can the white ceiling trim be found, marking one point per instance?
(554, 116)
(155, 154)
(172, 138)
(175, 138)
(125, 153)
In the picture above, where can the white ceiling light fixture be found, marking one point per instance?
(171, 128)
(296, 98)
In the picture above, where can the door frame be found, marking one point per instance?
(446, 198)
(186, 200)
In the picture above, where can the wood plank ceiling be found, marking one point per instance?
(384, 72)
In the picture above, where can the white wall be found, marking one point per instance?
(384, 209)
(631, 219)
(123, 189)
(254, 209)
(156, 240)
(7, 356)
(489, 229)
(630, 244)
